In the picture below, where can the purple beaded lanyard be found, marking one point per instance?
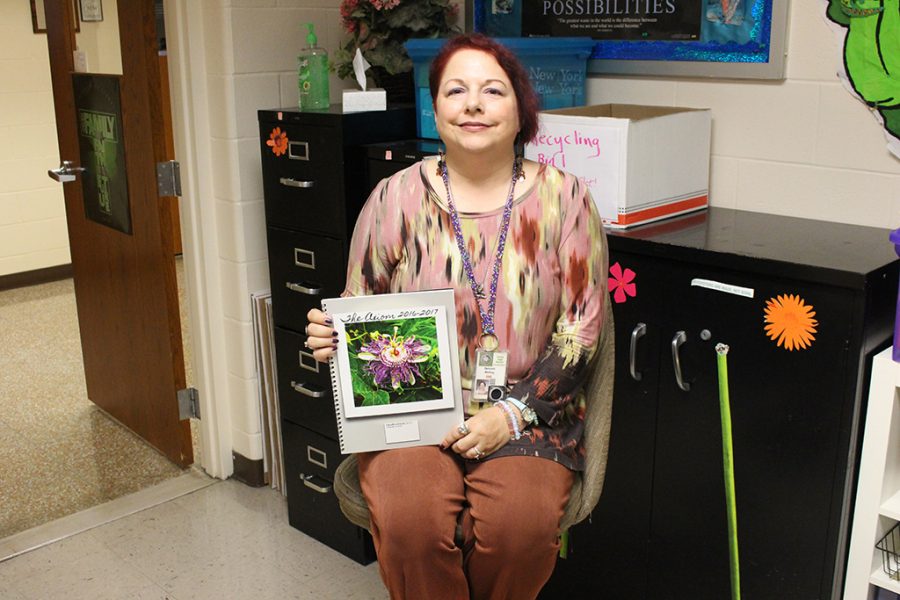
(489, 339)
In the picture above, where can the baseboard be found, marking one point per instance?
(248, 471)
(27, 278)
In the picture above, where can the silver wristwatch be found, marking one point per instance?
(528, 414)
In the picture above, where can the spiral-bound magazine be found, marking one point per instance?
(395, 374)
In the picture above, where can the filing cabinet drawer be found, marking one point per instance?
(302, 184)
(310, 209)
(310, 461)
(304, 269)
(311, 150)
(304, 385)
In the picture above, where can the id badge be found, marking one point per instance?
(490, 370)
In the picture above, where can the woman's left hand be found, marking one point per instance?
(480, 435)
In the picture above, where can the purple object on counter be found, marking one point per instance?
(895, 239)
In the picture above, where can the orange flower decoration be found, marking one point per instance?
(278, 141)
(790, 322)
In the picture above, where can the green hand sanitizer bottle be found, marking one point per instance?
(312, 74)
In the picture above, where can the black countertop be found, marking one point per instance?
(832, 253)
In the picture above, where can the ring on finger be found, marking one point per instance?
(306, 344)
(478, 453)
(306, 330)
(463, 429)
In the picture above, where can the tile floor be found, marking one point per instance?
(59, 453)
(226, 541)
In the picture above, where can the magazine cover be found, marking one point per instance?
(395, 374)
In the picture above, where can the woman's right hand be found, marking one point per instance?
(321, 336)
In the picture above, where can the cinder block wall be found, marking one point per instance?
(33, 232)
(32, 215)
(802, 147)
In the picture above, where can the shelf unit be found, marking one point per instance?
(878, 489)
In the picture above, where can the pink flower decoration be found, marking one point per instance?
(621, 283)
(385, 4)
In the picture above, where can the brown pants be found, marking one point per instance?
(509, 509)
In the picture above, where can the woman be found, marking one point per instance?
(523, 247)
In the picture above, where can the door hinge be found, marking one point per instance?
(188, 404)
(168, 178)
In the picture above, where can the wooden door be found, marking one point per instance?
(125, 286)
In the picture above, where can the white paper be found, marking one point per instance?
(590, 148)
(360, 65)
(401, 431)
(723, 287)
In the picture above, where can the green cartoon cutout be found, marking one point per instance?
(872, 56)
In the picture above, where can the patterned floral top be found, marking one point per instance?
(550, 297)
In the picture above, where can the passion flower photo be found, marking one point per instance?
(394, 362)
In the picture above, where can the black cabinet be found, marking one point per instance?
(659, 531)
(385, 159)
(314, 181)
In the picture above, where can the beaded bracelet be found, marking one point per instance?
(511, 419)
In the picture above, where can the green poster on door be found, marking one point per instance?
(98, 108)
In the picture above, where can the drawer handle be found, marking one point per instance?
(297, 183)
(679, 339)
(639, 331)
(304, 288)
(307, 391)
(308, 482)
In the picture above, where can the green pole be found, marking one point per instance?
(728, 460)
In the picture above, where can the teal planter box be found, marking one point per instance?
(556, 66)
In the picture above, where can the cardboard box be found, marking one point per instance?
(641, 163)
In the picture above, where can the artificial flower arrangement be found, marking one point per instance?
(379, 28)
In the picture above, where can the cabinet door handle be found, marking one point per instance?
(639, 331)
(679, 339)
(307, 391)
(304, 288)
(297, 183)
(308, 482)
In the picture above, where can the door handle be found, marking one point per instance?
(308, 482)
(639, 331)
(307, 391)
(304, 288)
(297, 183)
(679, 339)
(66, 172)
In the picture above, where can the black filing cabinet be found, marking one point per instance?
(314, 180)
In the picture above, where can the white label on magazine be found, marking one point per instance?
(401, 431)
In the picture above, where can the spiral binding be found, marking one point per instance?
(335, 393)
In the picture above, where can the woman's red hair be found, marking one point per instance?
(526, 98)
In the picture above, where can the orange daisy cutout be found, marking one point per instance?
(790, 322)
(278, 141)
